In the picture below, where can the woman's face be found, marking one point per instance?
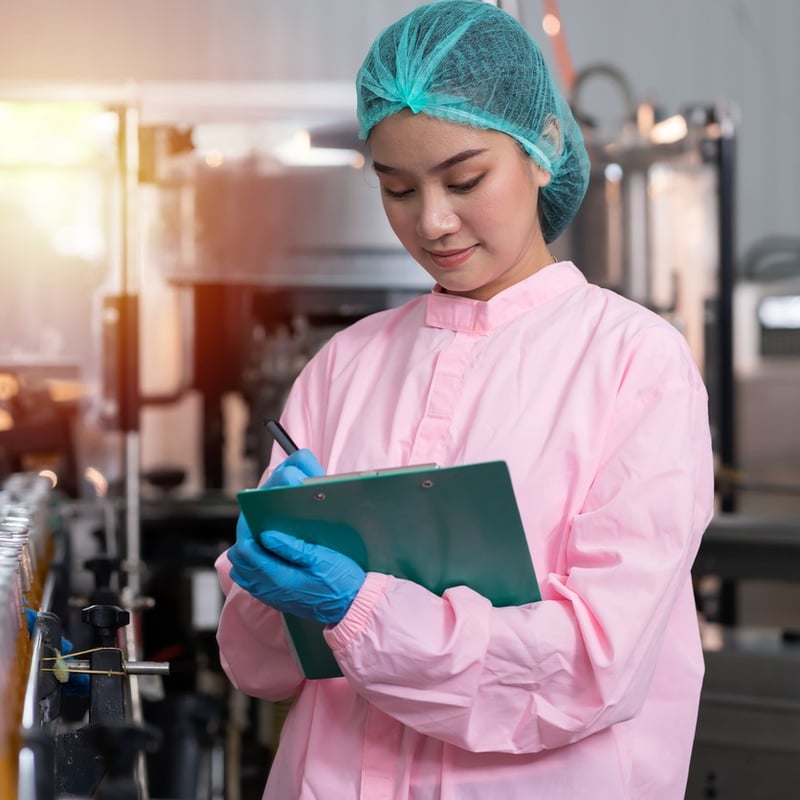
(462, 201)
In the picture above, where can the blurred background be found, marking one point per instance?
(185, 218)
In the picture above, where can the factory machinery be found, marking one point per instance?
(84, 715)
(132, 511)
(250, 258)
(658, 226)
(72, 723)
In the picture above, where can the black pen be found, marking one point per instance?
(281, 437)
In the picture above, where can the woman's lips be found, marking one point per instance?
(446, 259)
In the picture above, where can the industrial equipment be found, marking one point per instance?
(248, 233)
(657, 225)
(767, 368)
(59, 740)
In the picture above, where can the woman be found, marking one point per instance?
(594, 403)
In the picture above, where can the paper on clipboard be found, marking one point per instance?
(440, 527)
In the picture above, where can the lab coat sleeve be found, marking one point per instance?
(253, 643)
(528, 678)
(254, 646)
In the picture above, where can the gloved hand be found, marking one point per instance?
(294, 470)
(293, 576)
(77, 683)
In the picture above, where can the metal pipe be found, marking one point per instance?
(133, 553)
(30, 705)
(128, 667)
(26, 764)
(726, 155)
(131, 601)
(726, 402)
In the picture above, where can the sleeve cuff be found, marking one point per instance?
(360, 612)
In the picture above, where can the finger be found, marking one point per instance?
(279, 478)
(286, 475)
(307, 462)
(251, 558)
(264, 574)
(288, 547)
(247, 556)
(294, 470)
(254, 575)
(290, 476)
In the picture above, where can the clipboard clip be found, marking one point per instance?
(369, 473)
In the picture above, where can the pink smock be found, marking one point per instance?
(598, 408)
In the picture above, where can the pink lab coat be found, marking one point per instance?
(599, 410)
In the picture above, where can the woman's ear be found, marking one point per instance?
(552, 135)
(552, 143)
(541, 177)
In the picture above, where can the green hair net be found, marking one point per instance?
(470, 62)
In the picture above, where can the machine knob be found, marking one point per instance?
(102, 567)
(106, 620)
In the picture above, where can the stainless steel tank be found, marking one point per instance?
(256, 222)
(649, 225)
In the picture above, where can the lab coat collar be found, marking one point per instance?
(481, 316)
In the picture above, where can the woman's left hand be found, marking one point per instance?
(294, 576)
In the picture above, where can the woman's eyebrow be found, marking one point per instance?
(458, 158)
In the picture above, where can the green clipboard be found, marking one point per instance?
(439, 527)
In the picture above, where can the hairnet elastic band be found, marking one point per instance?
(480, 122)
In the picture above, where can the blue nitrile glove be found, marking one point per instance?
(78, 682)
(294, 470)
(293, 576)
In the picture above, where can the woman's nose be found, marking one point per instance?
(436, 218)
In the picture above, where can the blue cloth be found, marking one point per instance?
(78, 682)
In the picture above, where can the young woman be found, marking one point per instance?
(593, 402)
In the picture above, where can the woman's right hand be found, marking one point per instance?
(294, 470)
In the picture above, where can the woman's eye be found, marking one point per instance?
(398, 194)
(467, 186)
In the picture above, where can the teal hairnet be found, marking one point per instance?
(468, 61)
